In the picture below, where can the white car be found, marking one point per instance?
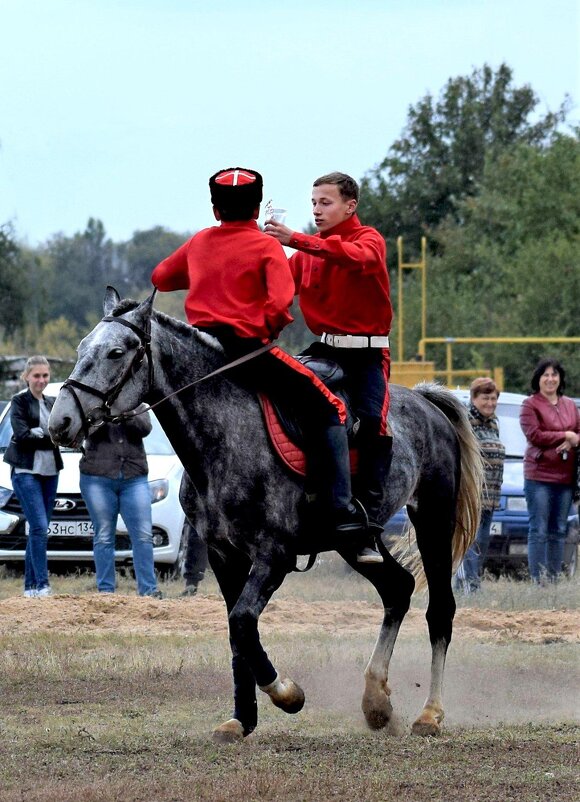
(70, 534)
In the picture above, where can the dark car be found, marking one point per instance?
(508, 547)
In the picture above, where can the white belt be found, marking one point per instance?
(354, 341)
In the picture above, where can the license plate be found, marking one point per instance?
(68, 529)
(496, 528)
(518, 548)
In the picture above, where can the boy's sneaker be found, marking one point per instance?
(30, 594)
(157, 594)
(46, 591)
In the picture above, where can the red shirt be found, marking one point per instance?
(236, 276)
(544, 425)
(342, 279)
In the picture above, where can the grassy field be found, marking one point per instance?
(93, 716)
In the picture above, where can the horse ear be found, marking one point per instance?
(145, 307)
(110, 300)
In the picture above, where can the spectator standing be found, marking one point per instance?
(35, 462)
(551, 424)
(484, 396)
(113, 481)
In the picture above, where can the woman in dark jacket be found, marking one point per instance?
(551, 424)
(114, 482)
(35, 462)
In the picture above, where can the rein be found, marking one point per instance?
(99, 415)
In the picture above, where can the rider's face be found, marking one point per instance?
(329, 207)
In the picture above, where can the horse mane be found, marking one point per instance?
(186, 329)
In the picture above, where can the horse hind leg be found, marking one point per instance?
(434, 542)
(394, 585)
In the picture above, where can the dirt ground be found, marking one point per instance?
(206, 614)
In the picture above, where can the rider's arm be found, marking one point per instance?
(365, 254)
(172, 273)
(279, 291)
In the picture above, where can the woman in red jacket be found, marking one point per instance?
(551, 424)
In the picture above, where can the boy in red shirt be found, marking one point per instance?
(240, 289)
(342, 280)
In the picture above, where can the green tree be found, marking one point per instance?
(439, 160)
(13, 283)
(76, 271)
(144, 251)
(510, 262)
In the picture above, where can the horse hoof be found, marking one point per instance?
(428, 723)
(286, 695)
(229, 732)
(377, 708)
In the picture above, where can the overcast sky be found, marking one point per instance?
(122, 109)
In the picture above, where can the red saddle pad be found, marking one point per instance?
(291, 454)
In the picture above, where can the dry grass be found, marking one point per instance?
(93, 717)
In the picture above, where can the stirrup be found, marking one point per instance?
(358, 522)
(369, 555)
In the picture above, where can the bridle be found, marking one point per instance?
(102, 414)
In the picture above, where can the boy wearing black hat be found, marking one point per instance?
(240, 290)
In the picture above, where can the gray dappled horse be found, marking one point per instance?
(245, 503)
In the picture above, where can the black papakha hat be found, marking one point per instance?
(235, 187)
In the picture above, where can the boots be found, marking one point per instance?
(375, 455)
(348, 518)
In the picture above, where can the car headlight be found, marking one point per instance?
(5, 494)
(516, 504)
(158, 489)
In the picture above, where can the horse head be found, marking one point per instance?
(112, 374)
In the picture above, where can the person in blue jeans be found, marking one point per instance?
(35, 463)
(483, 395)
(551, 423)
(113, 482)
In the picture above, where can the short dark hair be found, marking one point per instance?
(482, 385)
(238, 199)
(347, 186)
(541, 367)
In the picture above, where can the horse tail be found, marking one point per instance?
(472, 476)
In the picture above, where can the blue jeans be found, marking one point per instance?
(471, 569)
(548, 508)
(106, 499)
(36, 495)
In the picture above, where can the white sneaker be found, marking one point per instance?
(46, 591)
(30, 594)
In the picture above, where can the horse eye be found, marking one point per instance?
(115, 353)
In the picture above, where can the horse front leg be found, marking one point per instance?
(231, 569)
(250, 663)
(264, 579)
(395, 586)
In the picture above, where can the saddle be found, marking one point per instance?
(282, 426)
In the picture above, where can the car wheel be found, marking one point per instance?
(174, 570)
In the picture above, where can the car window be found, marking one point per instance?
(155, 443)
(510, 431)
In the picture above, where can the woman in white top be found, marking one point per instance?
(35, 462)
